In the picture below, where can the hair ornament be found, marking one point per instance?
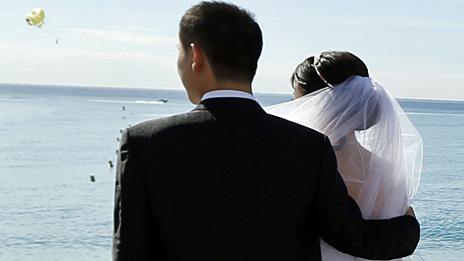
(316, 60)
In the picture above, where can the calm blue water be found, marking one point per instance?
(53, 138)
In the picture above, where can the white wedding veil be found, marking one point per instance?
(386, 149)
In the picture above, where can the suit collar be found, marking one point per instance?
(231, 105)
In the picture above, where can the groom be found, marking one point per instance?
(227, 181)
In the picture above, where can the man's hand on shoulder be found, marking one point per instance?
(410, 212)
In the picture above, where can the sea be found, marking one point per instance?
(57, 186)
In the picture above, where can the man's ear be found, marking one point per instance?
(198, 57)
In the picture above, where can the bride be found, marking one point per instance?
(378, 150)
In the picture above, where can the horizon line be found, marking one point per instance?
(183, 90)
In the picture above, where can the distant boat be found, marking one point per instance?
(163, 100)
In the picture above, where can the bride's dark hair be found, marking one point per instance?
(334, 67)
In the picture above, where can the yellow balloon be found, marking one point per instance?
(36, 17)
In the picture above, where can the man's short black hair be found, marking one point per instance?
(229, 36)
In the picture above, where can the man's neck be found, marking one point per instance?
(228, 85)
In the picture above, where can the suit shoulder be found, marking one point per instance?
(151, 127)
(295, 128)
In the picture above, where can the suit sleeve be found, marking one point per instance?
(341, 223)
(132, 237)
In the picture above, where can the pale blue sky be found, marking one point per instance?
(412, 46)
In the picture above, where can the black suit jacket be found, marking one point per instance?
(229, 182)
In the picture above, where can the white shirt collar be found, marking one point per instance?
(227, 94)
